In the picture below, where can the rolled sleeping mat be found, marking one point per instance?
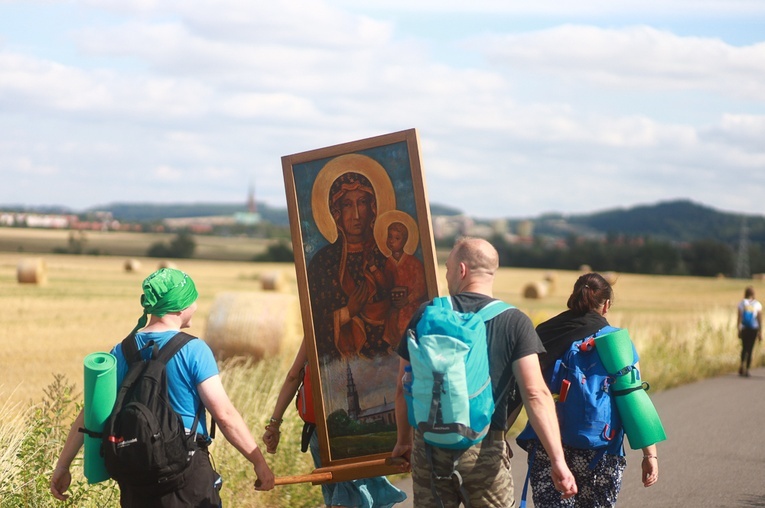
(100, 391)
(615, 350)
(639, 417)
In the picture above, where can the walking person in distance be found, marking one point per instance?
(749, 324)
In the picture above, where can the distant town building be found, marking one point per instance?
(199, 222)
(500, 227)
(206, 224)
(526, 229)
(450, 226)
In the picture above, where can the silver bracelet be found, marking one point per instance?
(651, 457)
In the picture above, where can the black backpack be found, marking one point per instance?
(145, 445)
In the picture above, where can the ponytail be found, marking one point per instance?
(590, 292)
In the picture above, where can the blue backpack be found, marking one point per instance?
(748, 316)
(586, 409)
(452, 401)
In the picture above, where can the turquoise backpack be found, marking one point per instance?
(452, 400)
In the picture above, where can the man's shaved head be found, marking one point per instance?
(478, 255)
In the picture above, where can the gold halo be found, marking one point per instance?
(381, 231)
(349, 163)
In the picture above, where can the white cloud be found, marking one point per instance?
(167, 173)
(635, 58)
(557, 9)
(207, 96)
(28, 167)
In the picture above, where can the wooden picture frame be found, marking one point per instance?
(361, 232)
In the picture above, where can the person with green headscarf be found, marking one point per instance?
(169, 303)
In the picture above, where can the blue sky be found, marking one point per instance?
(522, 108)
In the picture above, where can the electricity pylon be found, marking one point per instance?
(742, 258)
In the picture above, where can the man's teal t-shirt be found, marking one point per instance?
(193, 364)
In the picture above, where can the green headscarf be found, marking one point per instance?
(164, 291)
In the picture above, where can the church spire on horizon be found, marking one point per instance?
(252, 206)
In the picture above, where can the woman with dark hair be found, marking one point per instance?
(598, 472)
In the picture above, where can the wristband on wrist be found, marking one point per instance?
(276, 422)
(651, 457)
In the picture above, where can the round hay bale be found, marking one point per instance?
(272, 281)
(585, 268)
(250, 324)
(32, 271)
(166, 264)
(611, 277)
(132, 265)
(535, 290)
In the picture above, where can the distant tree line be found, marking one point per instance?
(181, 246)
(706, 258)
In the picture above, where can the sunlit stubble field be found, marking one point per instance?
(684, 329)
(90, 303)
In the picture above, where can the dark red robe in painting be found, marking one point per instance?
(333, 274)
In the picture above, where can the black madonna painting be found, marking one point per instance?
(365, 262)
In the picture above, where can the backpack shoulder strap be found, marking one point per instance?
(169, 350)
(444, 302)
(174, 345)
(130, 349)
(606, 330)
(493, 309)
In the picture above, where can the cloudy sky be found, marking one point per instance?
(521, 107)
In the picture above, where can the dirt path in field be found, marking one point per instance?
(714, 455)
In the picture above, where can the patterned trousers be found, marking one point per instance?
(598, 487)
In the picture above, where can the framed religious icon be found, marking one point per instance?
(365, 261)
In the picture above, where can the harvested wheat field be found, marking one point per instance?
(684, 329)
(89, 303)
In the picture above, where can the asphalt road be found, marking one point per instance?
(714, 455)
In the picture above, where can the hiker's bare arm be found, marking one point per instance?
(541, 412)
(650, 466)
(403, 446)
(286, 394)
(539, 403)
(61, 477)
(232, 425)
